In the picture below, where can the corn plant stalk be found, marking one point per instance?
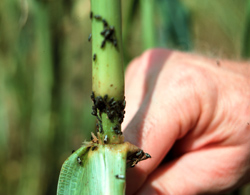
(99, 166)
(107, 68)
(91, 170)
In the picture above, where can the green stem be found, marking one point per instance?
(246, 39)
(107, 67)
(148, 26)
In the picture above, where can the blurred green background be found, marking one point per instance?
(45, 72)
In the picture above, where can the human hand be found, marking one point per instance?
(198, 107)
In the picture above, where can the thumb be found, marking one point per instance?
(210, 170)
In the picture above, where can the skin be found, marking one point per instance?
(195, 106)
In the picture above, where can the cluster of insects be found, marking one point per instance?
(108, 32)
(134, 158)
(114, 110)
(117, 130)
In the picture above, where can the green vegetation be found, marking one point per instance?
(91, 170)
(99, 166)
(45, 80)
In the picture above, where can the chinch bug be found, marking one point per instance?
(116, 127)
(103, 32)
(73, 151)
(79, 160)
(147, 155)
(103, 43)
(115, 42)
(94, 57)
(94, 112)
(120, 176)
(91, 15)
(108, 34)
(139, 153)
(98, 17)
(110, 101)
(105, 24)
(105, 139)
(100, 129)
(94, 147)
(105, 98)
(92, 96)
(89, 38)
(120, 120)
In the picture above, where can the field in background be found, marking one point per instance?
(45, 72)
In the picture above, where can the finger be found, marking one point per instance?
(134, 82)
(210, 170)
(165, 115)
(135, 79)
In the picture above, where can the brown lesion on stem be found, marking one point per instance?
(134, 153)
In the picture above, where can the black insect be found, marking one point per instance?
(123, 104)
(79, 160)
(92, 96)
(98, 17)
(116, 127)
(94, 57)
(120, 120)
(103, 43)
(105, 24)
(103, 32)
(111, 114)
(94, 111)
(139, 153)
(91, 15)
(113, 103)
(108, 34)
(101, 129)
(89, 38)
(115, 42)
(105, 139)
(118, 132)
(110, 101)
(73, 151)
(120, 176)
(94, 147)
(105, 98)
(100, 104)
(148, 155)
